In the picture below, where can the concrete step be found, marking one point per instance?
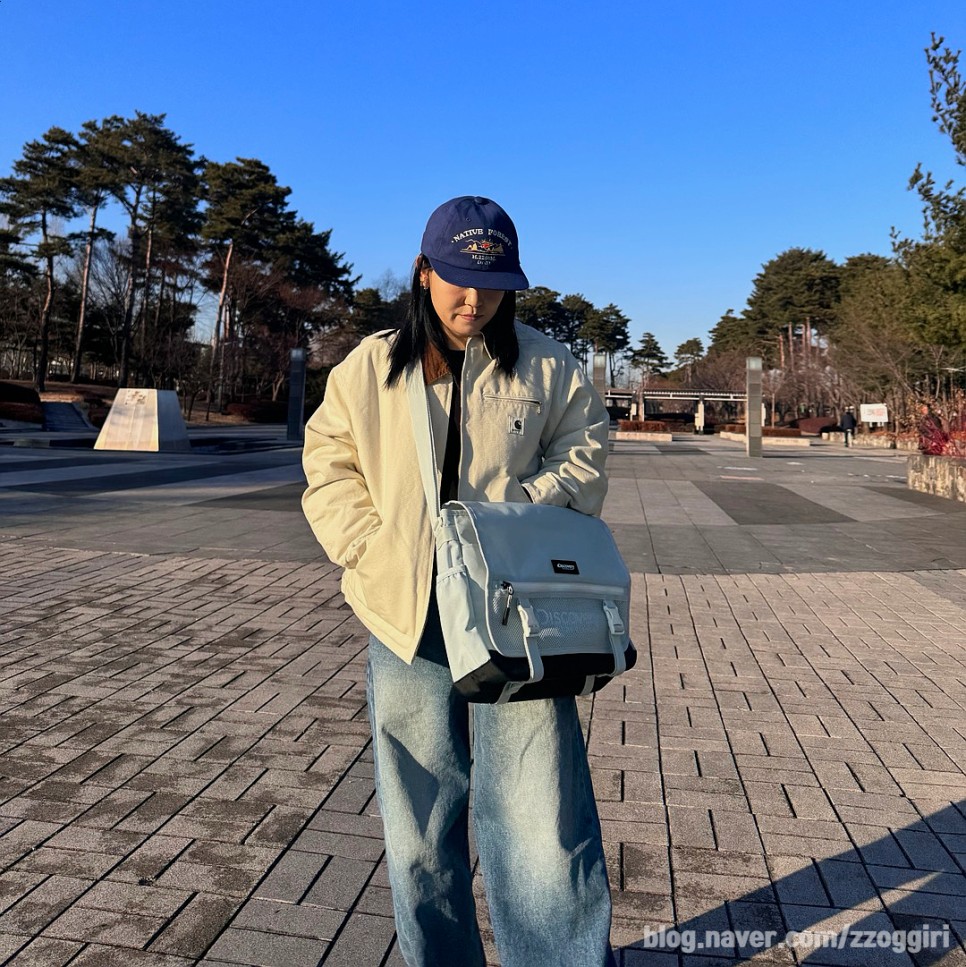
(65, 418)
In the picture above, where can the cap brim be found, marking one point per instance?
(480, 278)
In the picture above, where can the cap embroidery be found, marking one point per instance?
(488, 248)
(495, 232)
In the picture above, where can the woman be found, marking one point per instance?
(513, 418)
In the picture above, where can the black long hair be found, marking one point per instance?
(423, 327)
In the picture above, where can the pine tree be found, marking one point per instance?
(95, 182)
(649, 357)
(687, 355)
(41, 192)
(150, 168)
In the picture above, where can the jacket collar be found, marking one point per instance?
(435, 365)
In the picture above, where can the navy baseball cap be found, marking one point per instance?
(471, 241)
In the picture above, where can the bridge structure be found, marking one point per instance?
(693, 394)
(636, 399)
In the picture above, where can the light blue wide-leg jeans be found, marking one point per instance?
(534, 814)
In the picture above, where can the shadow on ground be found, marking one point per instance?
(888, 902)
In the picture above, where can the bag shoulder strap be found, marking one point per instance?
(425, 451)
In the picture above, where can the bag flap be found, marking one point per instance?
(542, 544)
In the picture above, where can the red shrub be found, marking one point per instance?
(642, 426)
(815, 425)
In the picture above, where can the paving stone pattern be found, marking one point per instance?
(185, 775)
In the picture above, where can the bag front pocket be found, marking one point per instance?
(565, 618)
(465, 646)
(454, 599)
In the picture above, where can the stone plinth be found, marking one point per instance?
(653, 437)
(942, 476)
(768, 441)
(144, 419)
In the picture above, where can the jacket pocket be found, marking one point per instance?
(371, 575)
(526, 401)
(518, 420)
(357, 549)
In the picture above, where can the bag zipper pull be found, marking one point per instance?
(509, 595)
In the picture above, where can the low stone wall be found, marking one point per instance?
(875, 441)
(641, 435)
(942, 476)
(885, 441)
(769, 441)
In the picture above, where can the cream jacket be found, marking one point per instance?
(540, 434)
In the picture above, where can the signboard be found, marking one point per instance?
(873, 413)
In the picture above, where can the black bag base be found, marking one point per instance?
(563, 675)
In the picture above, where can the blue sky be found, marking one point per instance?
(653, 155)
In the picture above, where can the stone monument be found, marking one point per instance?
(144, 419)
(753, 407)
(296, 397)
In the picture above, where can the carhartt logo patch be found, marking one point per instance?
(516, 425)
(565, 567)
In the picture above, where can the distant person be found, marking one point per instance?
(848, 424)
(513, 418)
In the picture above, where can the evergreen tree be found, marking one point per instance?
(576, 313)
(95, 183)
(246, 214)
(937, 263)
(687, 355)
(649, 357)
(150, 169)
(39, 194)
(371, 313)
(795, 294)
(607, 331)
(18, 276)
(540, 308)
(734, 334)
(945, 207)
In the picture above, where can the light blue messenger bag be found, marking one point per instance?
(534, 600)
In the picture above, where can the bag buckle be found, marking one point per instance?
(531, 628)
(528, 618)
(614, 620)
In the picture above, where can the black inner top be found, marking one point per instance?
(449, 484)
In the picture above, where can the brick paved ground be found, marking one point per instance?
(185, 774)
